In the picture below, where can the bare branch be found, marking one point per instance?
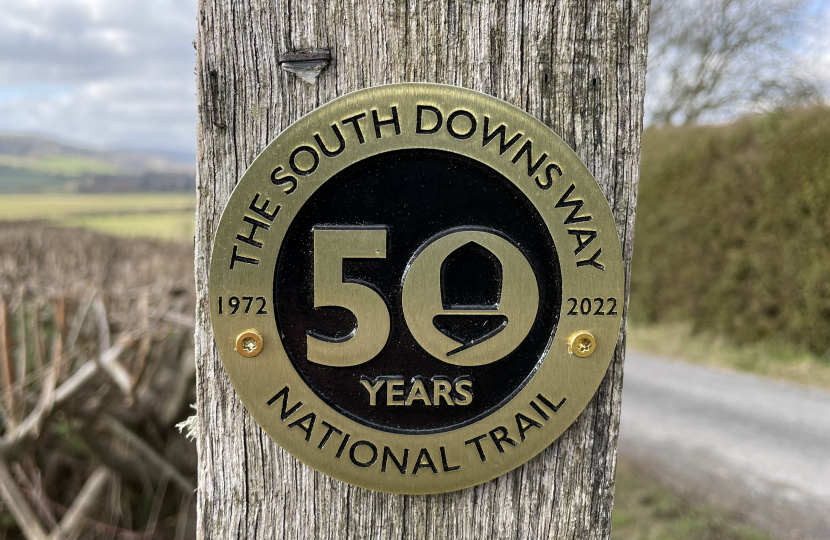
(126, 467)
(88, 370)
(144, 341)
(175, 318)
(112, 367)
(37, 338)
(177, 400)
(87, 498)
(57, 342)
(78, 321)
(164, 467)
(710, 59)
(29, 429)
(32, 488)
(17, 505)
(156, 508)
(22, 355)
(184, 510)
(5, 358)
(103, 323)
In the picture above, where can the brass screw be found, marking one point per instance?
(582, 344)
(249, 343)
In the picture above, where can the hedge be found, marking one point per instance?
(733, 229)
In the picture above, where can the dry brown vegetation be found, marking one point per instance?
(97, 368)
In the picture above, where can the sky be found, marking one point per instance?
(815, 42)
(120, 73)
(101, 73)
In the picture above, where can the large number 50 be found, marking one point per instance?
(421, 298)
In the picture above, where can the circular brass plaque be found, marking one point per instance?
(416, 288)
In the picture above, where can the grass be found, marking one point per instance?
(58, 165)
(41, 174)
(14, 180)
(774, 359)
(167, 225)
(154, 215)
(643, 510)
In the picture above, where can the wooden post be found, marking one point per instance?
(577, 65)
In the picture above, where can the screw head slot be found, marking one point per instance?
(249, 343)
(582, 344)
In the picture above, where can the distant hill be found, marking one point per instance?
(37, 164)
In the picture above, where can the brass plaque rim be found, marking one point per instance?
(260, 378)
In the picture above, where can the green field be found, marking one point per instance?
(58, 165)
(157, 215)
(44, 174)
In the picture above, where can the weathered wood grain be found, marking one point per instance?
(579, 66)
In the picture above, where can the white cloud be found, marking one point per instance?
(119, 73)
(101, 72)
(816, 42)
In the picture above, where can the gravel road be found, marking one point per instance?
(755, 445)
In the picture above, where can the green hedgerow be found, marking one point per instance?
(733, 228)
